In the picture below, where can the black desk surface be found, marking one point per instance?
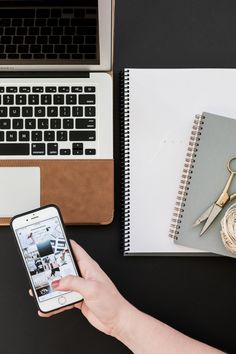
(195, 295)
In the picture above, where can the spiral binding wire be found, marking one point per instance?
(186, 177)
(125, 161)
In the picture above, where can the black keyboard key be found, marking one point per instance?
(65, 152)
(87, 99)
(11, 89)
(23, 49)
(52, 111)
(26, 56)
(30, 40)
(69, 31)
(36, 135)
(24, 89)
(62, 135)
(43, 124)
(37, 89)
(21, 99)
(54, 39)
(5, 22)
(65, 111)
(1, 136)
(6, 40)
(77, 111)
(87, 48)
(55, 12)
(14, 149)
(33, 31)
(59, 49)
(8, 99)
(85, 124)
(64, 89)
(14, 111)
(13, 56)
(18, 40)
(77, 89)
(30, 124)
(3, 56)
(2, 89)
(78, 39)
(27, 111)
(91, 39)
(90, 111)
(51, 56)
(35, 48)
(39, 56)
(21, 31)
(17, 13)
(39, 111)
(64, 22)
(46, 99)
(77, 56)
(43, 13)
(29, 22)
(68, 123)
(77, 149)
(52, 22)
(34, 99)
(3, 111)
(49, 135)
(17, 123)
(40, 22)
(64, 56)
(90, 151)
(55, 124)
(79, 13)
(24, 136)
(86, 31)
(38, 149)
(46, 31)
(42, 40)
(52, 149)
(11, 136)
(17, 22)
(66, 39)
(71, 99)
(51, 89)
(58, 99)
(90, 89)
(58, 31)
(47, 48)
(82, 135)
(72, 48)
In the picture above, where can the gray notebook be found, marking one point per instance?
(212, 145)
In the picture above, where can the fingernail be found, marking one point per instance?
(55, 283)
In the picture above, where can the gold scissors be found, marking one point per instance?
(213, 211)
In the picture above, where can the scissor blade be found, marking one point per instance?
(215, 211)
(204, 216)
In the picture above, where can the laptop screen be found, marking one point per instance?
(49, 32)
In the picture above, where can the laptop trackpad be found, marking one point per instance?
(19, 190)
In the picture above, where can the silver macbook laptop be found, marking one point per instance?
(56, 100)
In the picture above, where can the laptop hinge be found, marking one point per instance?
(44, 74)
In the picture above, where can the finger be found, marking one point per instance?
(74, 283)
(49, 314)
(31, 293)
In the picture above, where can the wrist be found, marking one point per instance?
(125, 321)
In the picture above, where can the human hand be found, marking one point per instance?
(103, 305)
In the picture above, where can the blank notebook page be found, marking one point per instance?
(162, 104)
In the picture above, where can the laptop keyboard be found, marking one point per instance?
(48, 120)
(49, 33)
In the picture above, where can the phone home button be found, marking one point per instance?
(62, 300)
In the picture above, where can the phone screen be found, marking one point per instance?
(47, 255)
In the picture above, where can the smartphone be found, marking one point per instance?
(46, 254)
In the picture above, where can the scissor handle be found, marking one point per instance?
(229, 163)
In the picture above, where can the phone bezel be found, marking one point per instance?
(26, 219)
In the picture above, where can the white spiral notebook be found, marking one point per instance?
(158, 109)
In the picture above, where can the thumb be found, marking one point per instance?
(74, 283)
